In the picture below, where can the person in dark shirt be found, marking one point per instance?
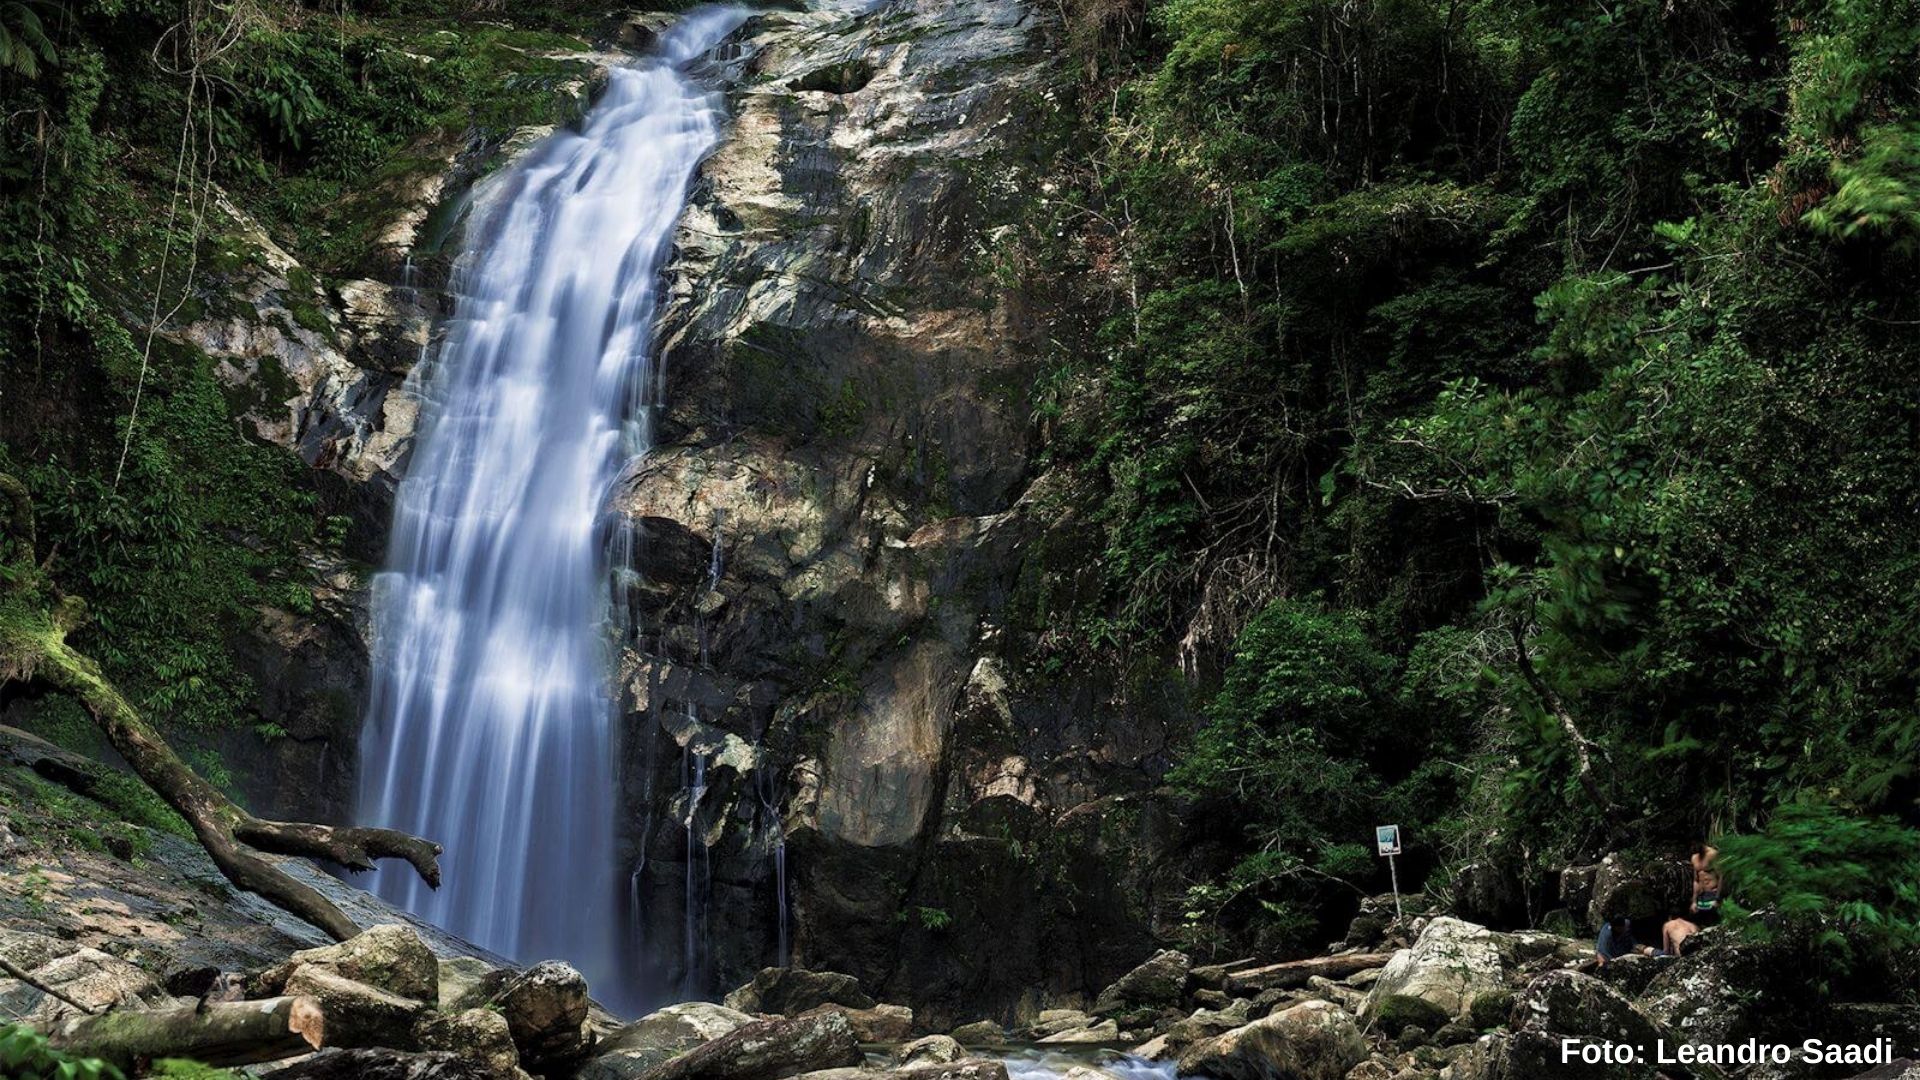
(1617, 940)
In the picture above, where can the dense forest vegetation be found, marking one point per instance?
(129, 130)
(1514, 404)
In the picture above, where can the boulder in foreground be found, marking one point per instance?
(768, 1050)
(1314, 1040)
(790, 991)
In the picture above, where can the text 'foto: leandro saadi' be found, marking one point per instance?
(1750, 1052)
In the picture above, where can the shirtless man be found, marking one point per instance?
(1703, 909)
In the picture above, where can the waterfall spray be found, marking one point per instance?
(491, 724)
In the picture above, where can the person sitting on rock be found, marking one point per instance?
(1703, 911)
(1617, 940)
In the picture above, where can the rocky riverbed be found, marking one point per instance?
(133, 949)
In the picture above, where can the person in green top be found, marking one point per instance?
(1703, 910)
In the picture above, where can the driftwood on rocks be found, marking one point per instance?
(34, 623)
(351, 1014)
(1295, 973)
(216, 1033)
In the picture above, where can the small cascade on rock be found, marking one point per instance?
(491, 723)
(766, 786)
(698, 882)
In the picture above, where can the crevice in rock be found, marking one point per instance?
(845, 77)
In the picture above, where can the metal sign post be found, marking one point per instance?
(1387, 839)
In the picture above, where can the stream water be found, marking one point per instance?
(491, 722)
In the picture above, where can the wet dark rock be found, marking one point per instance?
(392, 958)
(545, 1008)
(1313, 1040)
(1632, 974)
(790, 991)
(1454, 1033)
(1644, 890)
(980, 1033)
(880, 1024)
(1211, 999)
(1153, 986)
(480, 1034)
(1568, 1004)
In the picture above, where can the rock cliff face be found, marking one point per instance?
(831, 638)
(853, 739)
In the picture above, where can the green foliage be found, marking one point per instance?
(25, 1055)
(307, 117)
(1311, 739)
(178, 1069)
(1852, 879)
(24, 43)
(1565, 352)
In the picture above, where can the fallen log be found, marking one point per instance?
(351, 1014)
(1295, 973)
(34, 649)
(219, 1033)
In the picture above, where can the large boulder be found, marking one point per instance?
(981, 1033)
(1635, 889)
(466, 980)
(1563, 1005)
(1152, 987)
(963, 1069)
(1204, 1024)
(768, 1050)
(390, 957)
(790, 991)
(660, 1036)
(934, 1049)
(1314, 1040)
(545, 1008)
(1730, 989)
(1104, 1031)
(880, 1024)
(480, 1034)
(1450, 964)
(96, 980)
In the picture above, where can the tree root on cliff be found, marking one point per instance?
(33, 647)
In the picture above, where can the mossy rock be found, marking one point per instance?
(1394, 1013)
(1490, 1010)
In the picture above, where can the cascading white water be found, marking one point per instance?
(490, 728)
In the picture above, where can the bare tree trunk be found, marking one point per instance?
(1583, 747)
(33, 646)
(215, 1033)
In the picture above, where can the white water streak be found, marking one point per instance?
(491, 725)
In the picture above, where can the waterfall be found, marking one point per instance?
(491, 723)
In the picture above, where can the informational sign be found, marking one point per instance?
(1388, 838)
